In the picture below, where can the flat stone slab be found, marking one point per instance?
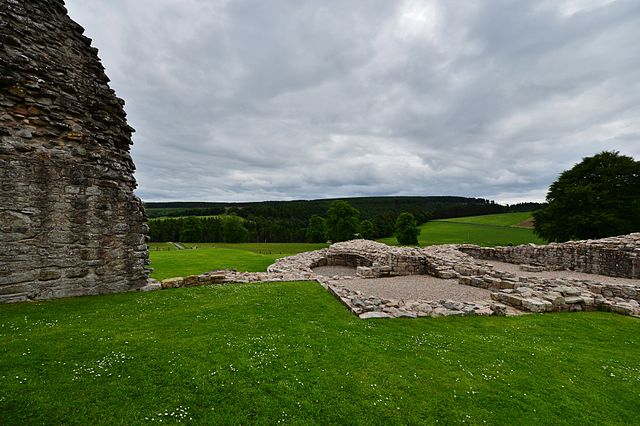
(368, 315)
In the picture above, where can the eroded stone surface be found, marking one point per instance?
(69, 221)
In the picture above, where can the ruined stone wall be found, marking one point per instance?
(615, 256)
(69, 221)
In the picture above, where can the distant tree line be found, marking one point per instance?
(343, 223)
(299, 221)
(199, 229)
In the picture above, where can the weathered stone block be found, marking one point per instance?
(191, 281)
(531, 268)
(511, 299)
(152, 286)
(536, 305)
(365, 272)
(211, 279)
(368, 315)
(555, 298)
(14, 298)
(173, 282)
(48, 275)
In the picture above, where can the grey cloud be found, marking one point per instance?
(251, 100)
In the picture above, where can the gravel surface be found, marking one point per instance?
(409, 287)
(330, 271)
(412, 287)
(515, 269)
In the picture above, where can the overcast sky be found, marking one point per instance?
(248, 100)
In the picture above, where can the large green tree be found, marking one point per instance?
(191, 230)
(407, 230)
(342, 221)
(367, 230)
(598, 197)
(233, 230)
(316, 232)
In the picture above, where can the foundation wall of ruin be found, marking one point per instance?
(615, 256)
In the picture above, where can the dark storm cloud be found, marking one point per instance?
(251, 100)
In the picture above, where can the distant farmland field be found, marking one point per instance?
(488, 231)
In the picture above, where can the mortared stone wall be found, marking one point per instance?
(69, 221)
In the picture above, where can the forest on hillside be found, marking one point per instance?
(287, 221)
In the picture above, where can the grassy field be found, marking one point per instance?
(281, 249)
(500, 219)
(167, 261)
(488, 231)
(180, 263)
(290, 353)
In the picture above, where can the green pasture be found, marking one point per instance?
(499, 219)
(197, 258)
(281, 249)
(168, 261)
(180, 263)
(290, 353)
(488, 231)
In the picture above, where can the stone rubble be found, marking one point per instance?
(511, 294)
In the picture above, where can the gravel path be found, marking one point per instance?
(515, 269)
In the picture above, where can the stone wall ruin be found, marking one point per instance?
(613, 256)
(69, 221)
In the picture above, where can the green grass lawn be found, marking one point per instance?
(488, 231)
(167, 261)
(180, 263)
(289, 352)
(282, 249)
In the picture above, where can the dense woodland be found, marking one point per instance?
(287, 221)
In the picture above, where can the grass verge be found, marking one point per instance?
(180, 263)
(290, 353)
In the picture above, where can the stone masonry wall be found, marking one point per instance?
(69, 221)
(614, 256)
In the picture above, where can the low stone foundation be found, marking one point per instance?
(614, 257)
(510, 293)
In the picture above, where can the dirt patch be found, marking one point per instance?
(527, 224)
